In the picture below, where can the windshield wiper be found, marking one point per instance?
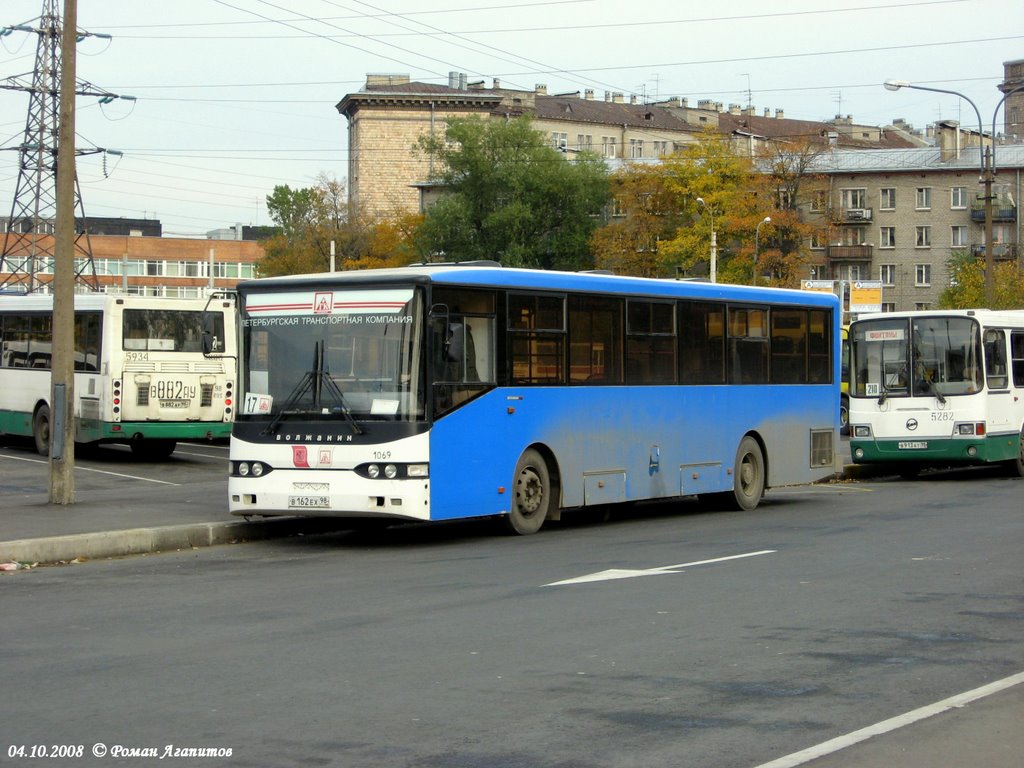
(929, 384)
(315, 382)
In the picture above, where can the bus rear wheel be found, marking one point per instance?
(1016, 466)
(531, 494)
(748, 477)
(41, 430)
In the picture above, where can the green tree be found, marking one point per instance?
(313, 218)
(510, 197)
(645, 215)
(967, 284)
(734, 194)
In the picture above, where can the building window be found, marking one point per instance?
(853, 198)
(958, 236)
(923, 237)
(560, 140)
(887, 274)
(608, 148)
(819, 200)
(887, 198)
(924, 198)
(923, 275)
(887, 237)
(922, 306)
(819, 240)
(636, 147)
(584, 142)
(958, 197)
(888, 306)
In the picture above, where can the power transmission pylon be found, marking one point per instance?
(28, 251)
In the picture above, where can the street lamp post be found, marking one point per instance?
(987, 157)
(714, 240)
(757, 242)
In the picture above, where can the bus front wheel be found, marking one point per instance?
(531, 494)
(41, 430)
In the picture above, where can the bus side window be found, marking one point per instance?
(995, 358)
(1017, 356)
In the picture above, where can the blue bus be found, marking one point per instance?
(438, 392)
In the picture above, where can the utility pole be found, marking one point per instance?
(62, 394)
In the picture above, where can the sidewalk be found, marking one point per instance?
(113, 517)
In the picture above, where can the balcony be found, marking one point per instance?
(1000, 251)
(854, 215)
(1002, 210)
(849, 252)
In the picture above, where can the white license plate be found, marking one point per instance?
(912, 445)
(309, 502)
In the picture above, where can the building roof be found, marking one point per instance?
(913, 159)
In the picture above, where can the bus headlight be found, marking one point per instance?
(390, 471)
(249, 468)
(862, 430)
(373, 471)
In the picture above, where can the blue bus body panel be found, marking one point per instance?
(622, 443)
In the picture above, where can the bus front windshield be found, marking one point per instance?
(916, 357)
(343, 354)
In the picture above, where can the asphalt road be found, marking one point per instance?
(843, 605)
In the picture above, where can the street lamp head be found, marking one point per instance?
(895, 85)
(766, 220)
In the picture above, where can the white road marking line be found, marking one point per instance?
(90, 469)
(623, 573)
(893, 723)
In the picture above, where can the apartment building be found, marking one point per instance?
(386, 176)
(148, 266)
(899, 215)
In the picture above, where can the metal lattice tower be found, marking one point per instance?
(28, 249)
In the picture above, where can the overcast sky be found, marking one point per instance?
(236, 96)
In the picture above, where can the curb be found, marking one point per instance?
(137, 541)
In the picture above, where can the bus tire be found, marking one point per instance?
(531, 494)
(1016, 466)
(153, 450)
(748, 476)
(41, 429)
(844, 415)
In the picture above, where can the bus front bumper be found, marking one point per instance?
(937, 450)
(329, 494)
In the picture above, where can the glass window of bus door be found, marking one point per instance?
(995, 359)
(944, 356)
(87, 341)
(463, 338)
(1017, 357)
(879, 351)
